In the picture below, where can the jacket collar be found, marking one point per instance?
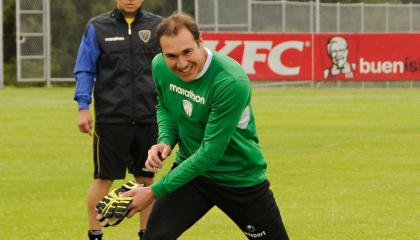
(119, 16)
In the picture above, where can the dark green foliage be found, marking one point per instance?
(68, 22)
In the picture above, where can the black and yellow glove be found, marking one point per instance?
(106, 206)
(129, 185)
(114, 212)
(112, 208)
(120, 212)
(106, 209)
(124, 188)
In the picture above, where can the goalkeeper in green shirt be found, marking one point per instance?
(204, 107)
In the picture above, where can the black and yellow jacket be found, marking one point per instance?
(118, 56)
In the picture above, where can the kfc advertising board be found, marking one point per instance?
(359, 56)
(266, 56)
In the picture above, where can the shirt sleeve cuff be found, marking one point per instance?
(83, 105)
(158, 189)
(166, 140)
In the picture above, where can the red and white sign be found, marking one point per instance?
(266, 56)
(370, 56)
(359, 56)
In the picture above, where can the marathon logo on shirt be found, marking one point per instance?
(114, 39)
(187, 93)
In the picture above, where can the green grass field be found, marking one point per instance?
(343, 164)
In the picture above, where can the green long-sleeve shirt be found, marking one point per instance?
(212, 122)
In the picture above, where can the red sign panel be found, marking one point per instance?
(266, 56)
(359, 56)
(365, 56)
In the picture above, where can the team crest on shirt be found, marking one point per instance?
(188, 107)
(145, 35)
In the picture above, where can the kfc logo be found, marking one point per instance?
(266, 56)
(338, 52)
(252, 54)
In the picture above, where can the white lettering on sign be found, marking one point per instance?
(226, 49)
(252, 54)
(274, 59)
(378, 67)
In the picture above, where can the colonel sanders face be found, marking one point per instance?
(337, 49)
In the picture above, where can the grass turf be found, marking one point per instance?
(343, 164)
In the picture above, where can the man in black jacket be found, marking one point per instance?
(114, 59)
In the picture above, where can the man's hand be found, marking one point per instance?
(157, 153)
(142, 198)
(85, 121)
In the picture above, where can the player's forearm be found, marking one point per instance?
(194, 166)
(168, 129)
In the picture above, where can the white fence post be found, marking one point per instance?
(179, 5)
(317, 16)
(47, 42)
(249, 15)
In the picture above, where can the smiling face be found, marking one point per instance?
(337, 48)
(184, 55)
(339, 54)
(129, 7)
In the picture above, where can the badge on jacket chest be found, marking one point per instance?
(144, 35)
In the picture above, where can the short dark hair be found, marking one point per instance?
(178, 20)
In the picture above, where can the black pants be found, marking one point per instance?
(253, 209)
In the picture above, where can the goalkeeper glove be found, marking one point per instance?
(112, 208)
(115, 193)
(115, 213)
(106, 206)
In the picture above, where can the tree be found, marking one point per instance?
(9, 28)
(68, 21)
